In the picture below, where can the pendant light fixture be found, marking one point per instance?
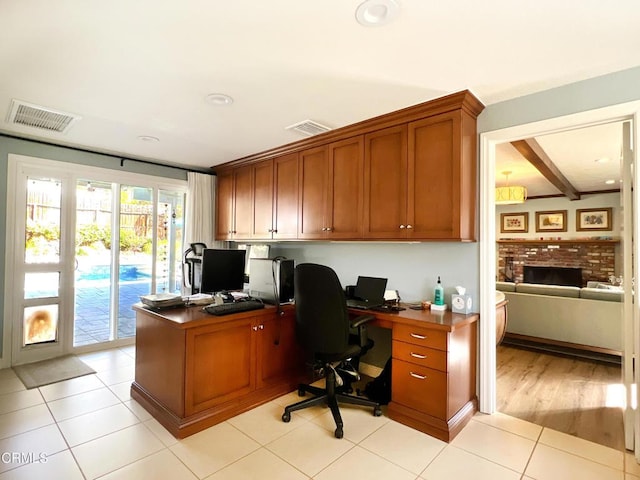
(510, 194)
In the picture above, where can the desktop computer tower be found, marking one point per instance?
(271, 279)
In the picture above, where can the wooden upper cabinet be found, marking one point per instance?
(224, 206)
(285, 196)
(263, 200)
(243, 203)
(441, 179)
(385, 183)
(313, 169)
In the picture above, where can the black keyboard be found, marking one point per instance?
(235, 307)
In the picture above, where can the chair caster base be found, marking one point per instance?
(377, 411)
(286, 417)
(339, 433)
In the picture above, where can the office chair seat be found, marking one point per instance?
(323, 328)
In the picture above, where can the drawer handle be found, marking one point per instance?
(421, 337)
(418, 355)
(419, 377)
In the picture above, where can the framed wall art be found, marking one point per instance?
(514, 222)
(551, 221)
(593, 219)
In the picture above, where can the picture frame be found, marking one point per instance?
(589, 219)
(514, 222)
(551, 221)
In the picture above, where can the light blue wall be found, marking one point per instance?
(34, 149)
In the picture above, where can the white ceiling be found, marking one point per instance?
(144, 67)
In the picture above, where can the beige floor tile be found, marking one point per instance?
(511, 424)
(24, 420)
(10, 402)
(628, 476)
(458, 464)
(264, 423)
(631, 464)
(117, 375)
(548, 463)
(359, 422)
(92, 425)
(11, 383)
(361, 463)
(159, 431)
(7, 373)
(583, 448)
(259, 465)
(70, 387)
(504, 448)
(29, 446)
(111, 452)
(212, 449)
(404, 446)
(310, 448)
(122, 390)
(306, 413)
(107, 360)
(76, 405)
(138, 410)
(163, 465)
(60, 466)
(129, 350)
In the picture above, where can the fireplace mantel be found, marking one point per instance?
(553, 242)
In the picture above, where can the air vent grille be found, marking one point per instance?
(308, 128)
(43, 118)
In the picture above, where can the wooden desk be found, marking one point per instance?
(194, 370)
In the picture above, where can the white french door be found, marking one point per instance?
(83, 244)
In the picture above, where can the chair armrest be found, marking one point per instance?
(360, 320)
(360, 324)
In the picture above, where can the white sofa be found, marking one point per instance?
(588, 318)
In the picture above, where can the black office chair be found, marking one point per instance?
(323, 329)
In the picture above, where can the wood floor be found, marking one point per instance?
(574, 396)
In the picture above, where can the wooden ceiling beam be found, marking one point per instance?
(535, 154)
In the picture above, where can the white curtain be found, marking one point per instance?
(200, 219)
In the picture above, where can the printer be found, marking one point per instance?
(271, 279)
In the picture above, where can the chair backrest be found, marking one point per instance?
(322, 319)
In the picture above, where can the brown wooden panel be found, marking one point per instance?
(278, 351)
(426, 357)
(219, 364)
(285, 214)
(385, 183)
(243, 203)
(313, 171)
(426, 337)
(262, 199)
(462, 367)
(419, 388)
(224, 201)
(345, 201)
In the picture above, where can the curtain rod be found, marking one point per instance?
(122, 159)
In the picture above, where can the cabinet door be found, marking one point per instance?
(278, 353)
(263, 200)
(345, 196)
(219, 365)
(385, 183)
(243, 203)
(224, 202)
(313, 169)
(434, 177)
(285, 213)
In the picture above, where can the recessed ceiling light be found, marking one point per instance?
(148, 138)
(610, 182)
(602, 160)
(374, 13)
(219, 99)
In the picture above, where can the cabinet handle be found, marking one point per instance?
(402, 227)
(419, 377)
(261, 327)
(409, 226)
(275, 230)
(329, 229)
(270, 230)
(229, 232)
(255, 329)
(418, 336)
(418, 355)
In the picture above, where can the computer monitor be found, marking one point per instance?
(222, 270)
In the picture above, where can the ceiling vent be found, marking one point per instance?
(308, 128)
(35, 116)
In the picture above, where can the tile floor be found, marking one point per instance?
(89, 428)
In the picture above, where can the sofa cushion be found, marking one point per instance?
(506, 286)
(555, 290)
(601, 294)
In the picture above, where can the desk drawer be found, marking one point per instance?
(420, 336)
(423, 356)
(419, 388)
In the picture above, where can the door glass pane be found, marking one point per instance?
(40, 324)
(136, 248)
(92, 263)
(41, 285)
(170, 233)
(42, 240)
